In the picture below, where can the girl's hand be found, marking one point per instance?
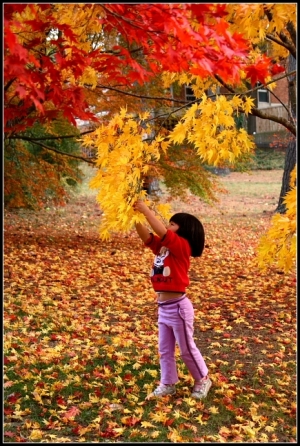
(157, 226)
(140, 206)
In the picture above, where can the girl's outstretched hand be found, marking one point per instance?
(158, 227)
(140, 206)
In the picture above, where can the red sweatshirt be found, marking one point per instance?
(171, 263)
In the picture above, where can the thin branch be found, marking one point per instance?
(247, 92)
(103, 87)
(255, 112)
(87, 160)
(279, 100)
(9, 83)
(283, 42)
(159, 98)
(44, 138)
(284, 122)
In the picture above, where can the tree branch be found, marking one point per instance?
(283, 42)
(87, 160)
(9, 83)
(159, 98)
(284, 122)
(247, 92)
(256, 112)
(290, 46)
(44, 138)
(292, 31)
(279, 100)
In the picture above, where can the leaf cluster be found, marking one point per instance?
(279, 244)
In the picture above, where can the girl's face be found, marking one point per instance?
(172, 226)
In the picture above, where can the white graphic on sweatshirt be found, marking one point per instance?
(158, 266)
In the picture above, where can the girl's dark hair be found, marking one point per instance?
(192, 230)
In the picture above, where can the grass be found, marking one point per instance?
(250, 185)
(267, 159)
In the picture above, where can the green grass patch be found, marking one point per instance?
(267, 159)
(249, 186)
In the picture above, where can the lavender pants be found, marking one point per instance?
(176, 324)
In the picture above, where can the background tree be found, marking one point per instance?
(290, 158)
(40, 166)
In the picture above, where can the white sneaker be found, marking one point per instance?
(200, 389)
(164, 389)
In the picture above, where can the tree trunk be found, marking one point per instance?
(290, 162)
(290, 156)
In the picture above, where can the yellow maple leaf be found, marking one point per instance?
(89, 77)
(159, 417)
(236, 102)
(146, 424)
(155, 434)
(174, 436)
(199, 419)
(248, 105)
(178, 133)
(119, 431)
(36, 434)
(136, 366)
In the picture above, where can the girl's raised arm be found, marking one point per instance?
(142, 231)
(157, 226)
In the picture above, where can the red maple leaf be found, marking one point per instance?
(9, 434)
(259, 71)
(72, 412)
(276, 69)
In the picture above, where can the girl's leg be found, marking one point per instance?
(184, 332)
(166, 342)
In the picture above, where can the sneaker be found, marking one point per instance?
(200, 390)
(164, 389)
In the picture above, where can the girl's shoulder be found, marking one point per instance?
(176, 243)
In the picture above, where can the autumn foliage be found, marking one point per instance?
(48, 63)
(279, 244)
(66, 61)
(80, 317)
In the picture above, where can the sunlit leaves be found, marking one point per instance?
(248, 105)
(210, 126)
(251, 20)
(279, 244)
(54, 73)
(124, 155)
(123, 159)
(89, 77)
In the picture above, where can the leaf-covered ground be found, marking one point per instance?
(80, 328)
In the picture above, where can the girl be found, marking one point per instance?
(173, 245)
